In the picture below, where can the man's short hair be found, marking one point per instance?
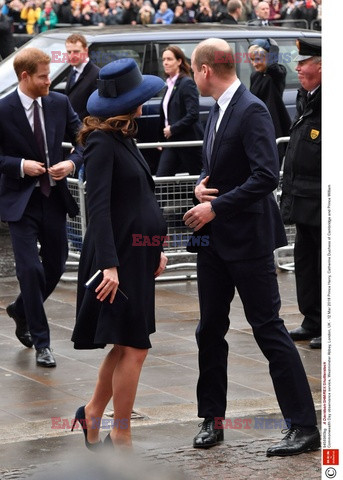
(233, 5)
(28, 59)
(77, 37)
(221, 60)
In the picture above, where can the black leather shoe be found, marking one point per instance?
(295, 442)
(44, 357)
(22, 330)
(301, 333)
(209, 436)
(316, 342)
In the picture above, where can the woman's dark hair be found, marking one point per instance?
(185, 68)
(126, 124)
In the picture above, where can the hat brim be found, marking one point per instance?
(127, 102)
(301, 58)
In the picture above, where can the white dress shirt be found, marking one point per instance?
(225, 99)
(27, 103)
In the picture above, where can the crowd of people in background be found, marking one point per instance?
(33, 16)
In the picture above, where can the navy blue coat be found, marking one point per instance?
(245, 169)
(17, 142)
(121, 205)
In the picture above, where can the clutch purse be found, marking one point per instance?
(120, 299)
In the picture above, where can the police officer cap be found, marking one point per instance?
(308, 47)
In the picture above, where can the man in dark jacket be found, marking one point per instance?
(34, 196)
(301, 197)
(82, 79)
(234, 12)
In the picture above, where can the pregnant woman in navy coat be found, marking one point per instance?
(124, 239)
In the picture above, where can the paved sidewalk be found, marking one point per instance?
(164, 421)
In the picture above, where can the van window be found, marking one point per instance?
(287, 53)
(101, 54)
(186, 47)
(239, 49)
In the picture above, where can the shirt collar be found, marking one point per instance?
(81, 67)
(226, 97)
(314, 90)
(28, 101)
(172, 81)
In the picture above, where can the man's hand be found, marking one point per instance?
(61, 169)
(204, 194)
(32, 168)
(199, 215)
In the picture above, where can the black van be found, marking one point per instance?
(145, 43)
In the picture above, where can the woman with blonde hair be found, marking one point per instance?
(268, 82)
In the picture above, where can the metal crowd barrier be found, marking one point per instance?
(175, 196)
(284, 255)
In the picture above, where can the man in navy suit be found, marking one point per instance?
(82, 78)
(34, 197)
(238, 214)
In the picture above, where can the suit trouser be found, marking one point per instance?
(38, 272)
(179, 160)
(256, 283)
(307, 261)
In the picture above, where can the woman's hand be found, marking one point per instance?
(109, 285)
(162, 265)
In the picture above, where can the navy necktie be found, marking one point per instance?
(44, 181)
(73, 77)
(211, 132)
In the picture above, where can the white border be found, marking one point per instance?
(332, 239)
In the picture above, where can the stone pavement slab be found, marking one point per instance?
(165, 417)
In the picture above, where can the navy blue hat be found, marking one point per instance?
(270, 46)
(262, 42)
(308, 47)
(121, 89)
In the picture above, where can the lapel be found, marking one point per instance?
(19, 118)
(50, 124)
(81, 76)
(130, 145)
(224, 124)
(177, 83)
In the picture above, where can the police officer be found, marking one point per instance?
(301, 192)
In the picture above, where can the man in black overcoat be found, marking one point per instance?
(82, 78)
(301, 192)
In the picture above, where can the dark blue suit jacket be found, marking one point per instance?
(17, 142)
(244, 167)
(79, 93)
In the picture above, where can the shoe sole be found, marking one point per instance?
(312, 448)
(208, 446)
(26, 344)
(46, 365)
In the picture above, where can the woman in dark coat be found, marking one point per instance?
(124, 240)
(268, 83)
(179, 116)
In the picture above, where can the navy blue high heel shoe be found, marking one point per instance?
(80, 416)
